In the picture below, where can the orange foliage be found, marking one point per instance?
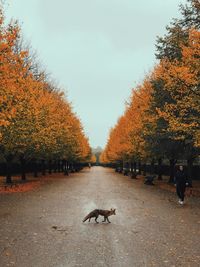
(34, 121)
(126, 140)
(181, 80)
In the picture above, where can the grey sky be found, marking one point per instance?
(96, 49)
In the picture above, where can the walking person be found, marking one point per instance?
(181, 183)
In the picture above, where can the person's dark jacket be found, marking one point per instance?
(180, 178)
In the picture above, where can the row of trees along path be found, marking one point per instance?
(37, 123)
(162, 116)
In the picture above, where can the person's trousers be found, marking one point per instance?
(180, 190)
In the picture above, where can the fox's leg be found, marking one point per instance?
(96, 218)
(104, 219)
(108, 220)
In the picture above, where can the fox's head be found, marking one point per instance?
(112, 211)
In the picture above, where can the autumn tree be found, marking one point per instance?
(161, 120)
(126, 142)
(36, 120)
(172, 50)
(181, 82)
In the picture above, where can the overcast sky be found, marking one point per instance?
(96, 49)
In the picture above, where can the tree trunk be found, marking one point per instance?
(50, 166)
(160, 169)
(144, 169)
(72, 167)
(190, 170)
(139, 167)
(9, 169)
(58, 165)
(62, 165)
(55, 166)
(172, 170)
(35, 167)
(69, 166)
(75, 167)
(65, 168)
(120, 166)
(23, 168)
(130, 167)
(135, 167)
(134, 173)
(43, 167)
(152, 167)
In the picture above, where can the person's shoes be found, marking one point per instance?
(181, 202)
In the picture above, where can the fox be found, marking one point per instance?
(95, 214)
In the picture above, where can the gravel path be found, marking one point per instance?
(44, 228)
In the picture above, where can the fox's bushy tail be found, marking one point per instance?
(87, 217)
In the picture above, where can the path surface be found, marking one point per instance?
(44, 228)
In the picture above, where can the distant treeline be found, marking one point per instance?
(41, 167)
(160, 171)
